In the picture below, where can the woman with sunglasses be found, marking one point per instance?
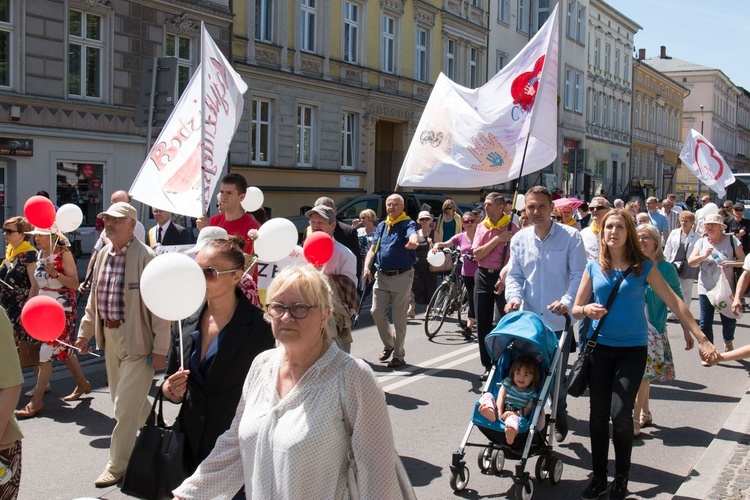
(449, 222)
(469, 266)
(288, 438)
(220, 341)
(56, 276)
(17, 275)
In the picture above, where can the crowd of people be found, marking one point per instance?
(253, 371)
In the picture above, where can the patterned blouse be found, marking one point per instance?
(14, 297)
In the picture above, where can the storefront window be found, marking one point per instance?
(81, 184)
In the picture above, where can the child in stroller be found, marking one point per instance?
(515, 396)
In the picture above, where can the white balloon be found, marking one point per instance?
(69, 218)
(253, 199)
(276, 239)
(173, 286)
(437, 259)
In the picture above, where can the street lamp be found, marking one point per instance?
(701, 119)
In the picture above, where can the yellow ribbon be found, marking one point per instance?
(595, 228)
(11, 253)
(392, 222)
(504, 221)
(571, 222)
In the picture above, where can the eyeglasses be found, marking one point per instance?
(598, 207)
(108, 218)
(558, 217)
(469, 221)
(449, 208)
(9, 231)
(644, 237)
(212, 274)
(297, 311)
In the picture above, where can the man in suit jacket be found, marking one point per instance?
(166, 232)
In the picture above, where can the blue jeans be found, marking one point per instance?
(707, 321)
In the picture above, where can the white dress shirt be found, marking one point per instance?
(544, 271)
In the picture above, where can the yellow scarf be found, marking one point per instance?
(571, 222)
(595, 228)
(392, 222)
(11, 253)
(504, 221)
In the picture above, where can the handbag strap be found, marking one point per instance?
(592, 341)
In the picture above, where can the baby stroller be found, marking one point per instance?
(518, 333)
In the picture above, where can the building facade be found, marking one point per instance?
(742, 162)
(336, 89)
(68, 96)
(609, 96)
(711, 107)
(657, 132)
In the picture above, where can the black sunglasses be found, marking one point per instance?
(598, 207)
(9, 231)
(558, 217)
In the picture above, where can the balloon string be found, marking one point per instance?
(182, 353)
(253, 261)
(76, 348)
(6, 284)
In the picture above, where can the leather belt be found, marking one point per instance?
(394, 272)
(488, 270)
(113, 323)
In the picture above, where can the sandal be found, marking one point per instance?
(646, 419)
(636, 428)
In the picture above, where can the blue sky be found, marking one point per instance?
(710, 33)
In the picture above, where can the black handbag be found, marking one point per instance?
(578, 379)
(158, 464)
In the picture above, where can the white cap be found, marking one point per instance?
(209, 233)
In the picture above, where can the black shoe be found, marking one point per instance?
(619, 488)
(561, 427)
(483, 377)
(596, 488)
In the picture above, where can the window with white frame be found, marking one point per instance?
(569, 88)
(579, 92)
(503, 11)
(523, 16)
(595, 109)
(85, 54)
(260, 132)
(502, 60)
(570, 20)
(349, 140)
(617, 63)
(308, 25)
(6, 43)
(180, 47)
(420, 56)
(541, 15)
(605, 112)
(637, 114)
(351, 32)
(388, 35)
(581, 24)
(615, 113)
(597, 50)
(625, 112)
(305, 137)
(450, 59)
(264, 20)
(607, 51)
(626, 68)
(473, 57)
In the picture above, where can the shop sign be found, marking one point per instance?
(16, 147)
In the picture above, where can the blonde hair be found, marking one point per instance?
(369, 212)
(21, 225)
(309, 283)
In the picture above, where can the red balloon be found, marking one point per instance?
(318, 248)
(40, 212)
(43, 318)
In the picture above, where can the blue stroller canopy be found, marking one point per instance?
(527, 332)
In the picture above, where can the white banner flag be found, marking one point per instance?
(476, 137)
(706, 163)
(201, 126)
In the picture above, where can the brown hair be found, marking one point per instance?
(449, 204)
(21, 225)
(632, 253)
(542, 191)
(531, 365)
(229, 250)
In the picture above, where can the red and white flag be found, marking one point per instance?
(706, 163)
(476, 137)
(183, 167)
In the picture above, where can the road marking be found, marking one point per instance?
(427, 364)
(416, 378)
(437, 369)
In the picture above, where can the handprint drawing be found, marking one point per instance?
(491, 155)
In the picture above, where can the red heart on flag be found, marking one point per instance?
(523, 89)
(711, 154)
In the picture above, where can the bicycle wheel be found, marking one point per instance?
(436, 311)
(462, 311)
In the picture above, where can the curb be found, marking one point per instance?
(716, 468)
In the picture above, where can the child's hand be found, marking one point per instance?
(506, 415)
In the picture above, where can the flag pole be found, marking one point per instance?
(520, 172)
(204, 201)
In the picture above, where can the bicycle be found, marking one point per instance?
(450, 297)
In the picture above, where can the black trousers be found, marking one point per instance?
(485, 302)
(614, 379)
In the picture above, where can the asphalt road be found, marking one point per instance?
(430, 401)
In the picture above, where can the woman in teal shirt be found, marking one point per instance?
(659, 363)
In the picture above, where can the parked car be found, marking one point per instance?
(349, 208)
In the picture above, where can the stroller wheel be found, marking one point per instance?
(484, 460)
(555, 470)
(459, 480)
(541, 468)
(497, 460)
(524, 490)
